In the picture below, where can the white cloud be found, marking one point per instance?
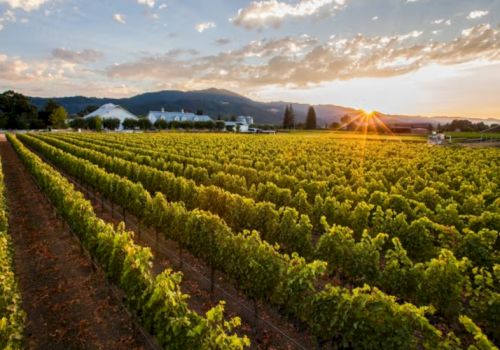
(300, 62)
(8, 16)
(86, 55)
(477, 14)
(375, 18)
(26, 5)
(201, 27)
(150, 3)
(162, 7)
(412, 34)
(272, 12)
(119, 18)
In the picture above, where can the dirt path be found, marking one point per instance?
(69, 305)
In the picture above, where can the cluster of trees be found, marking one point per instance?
(290, 123)
(466, 126)
(17, 112)
(98, 124)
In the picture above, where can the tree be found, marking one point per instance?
(129, 123)
(44, 115)
(144, 123)
(199, 112)
(292, 117)
(311, 119)
(220, 125)
(233, 118)
(77, 123)
(95, 123)
(334, 126)
(16, 111)
(111, 123)
(288, 118)
(58, 118)
(161, 124)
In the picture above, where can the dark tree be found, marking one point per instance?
(220, 125)
(111, 123)
(311, 119)
(161, 124)
(129, 124)
(44, 115)
(286, 118)
(199, 112)
(16, 111)
(77, 123)
(94, 123)
(144, 123)
(289, 118)
(233, 118)
(292, 117)
(334, 126)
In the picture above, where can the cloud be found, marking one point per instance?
(375, 18)
(201, 27)
(7, 17)
(162, 7)
(303, 61)
(86, 55)
(149, 3)
(260, 14)
(119, 18)
(15, 69)
(222, 41)
(477, 14)
(26, 5)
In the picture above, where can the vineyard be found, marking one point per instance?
(334, 241)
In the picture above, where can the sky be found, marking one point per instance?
(414, 57)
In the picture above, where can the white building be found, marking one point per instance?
(112, 111)
(181, 116)
(242, 124)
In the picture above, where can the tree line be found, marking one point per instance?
(17, 112)
(290, 123)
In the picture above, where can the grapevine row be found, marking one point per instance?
(12, 316)
(158, 301)
(262, 273)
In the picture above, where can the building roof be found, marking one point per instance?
(177, 116)
(110, 110)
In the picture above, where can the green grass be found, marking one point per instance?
(473, 135)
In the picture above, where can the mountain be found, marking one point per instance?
(224, 103)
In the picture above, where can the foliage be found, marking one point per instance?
(232, 199)
(58, 118)
(12, 316)
(311, 123)
(159, 300)
(111, 123)
(16, 111)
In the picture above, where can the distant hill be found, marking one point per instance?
(224, 103)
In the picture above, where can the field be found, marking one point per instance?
(474, 135)
(313, 239)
